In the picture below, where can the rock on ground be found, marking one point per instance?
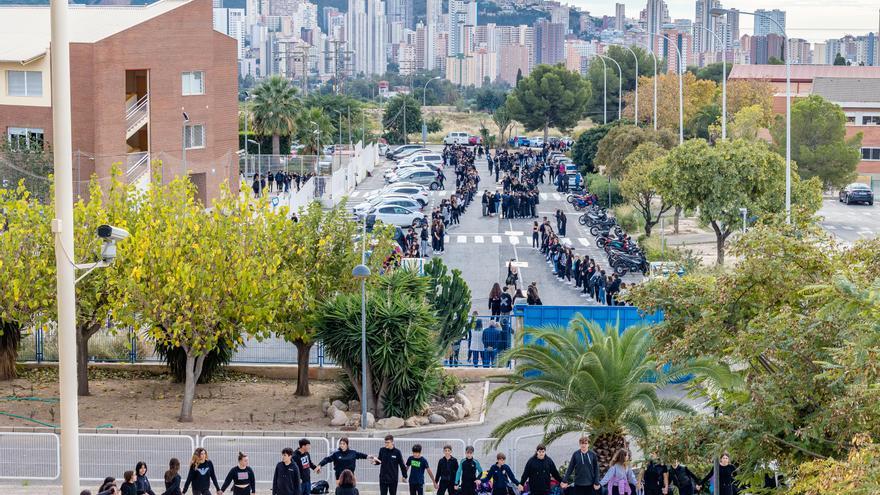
(339, 419)
(391, 423)
(436, 419)
(342, 406)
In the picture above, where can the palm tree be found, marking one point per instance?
(309, 120)
(601, 382)
(275, 108)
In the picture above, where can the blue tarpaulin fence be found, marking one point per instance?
(626, 316)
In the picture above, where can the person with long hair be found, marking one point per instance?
(344, 458)
(142, 483)
(619, 478)
(201, 474)
(532, 297)
(347, 483)
(495, 301)
(241, 477)
(172, 477)
(726, 472)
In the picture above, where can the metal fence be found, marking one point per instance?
(102, 455)
(432, 450)
(32, 456)
(293, 164)
(263, 452)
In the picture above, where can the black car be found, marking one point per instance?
(856, 193)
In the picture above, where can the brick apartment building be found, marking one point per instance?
(855, 88)
(135, 73)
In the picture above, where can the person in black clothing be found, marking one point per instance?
(417, 466)
(129, 487)
(655, 477)
(682, 478)
(726, 472)
(390, 459)
(584, 465)
(468, 474)
(241, 477)
(303, 459)
(506, 301)
(495, 301)
(447, 467)
(142, 483)
(344, 458)
(347, 484)
(201, 474)
(501, 476)
(172, 478)
(538, 472)
(285, 481)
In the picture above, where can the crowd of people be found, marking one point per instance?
(279, 182)
(450, 476)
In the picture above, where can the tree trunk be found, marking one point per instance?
(83, 334)
(276, 144)
(193, 371)
(675, 220)
(10, 339)
(302, 368)
(546, 132)
(605, 446)
(720, 240)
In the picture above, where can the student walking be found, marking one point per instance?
(418, 465)
(303, 459)
(344, 458)
(142, 483)
(286, 479)
(501, 476)
(620, 478)
(201, 474)
(390, 460)
(535, 228)
(584, 465)
(241, 477)
(468, 475)
(447, 467)
(172, 478)
(538, 473)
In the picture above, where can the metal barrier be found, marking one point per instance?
(432, 450)
(263, 453)
(102, 455)
(495, 334)
(485, 452)
(560, 450)
(30, 456)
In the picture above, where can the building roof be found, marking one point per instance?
(841, 89)
(803, 72)
(25, 29)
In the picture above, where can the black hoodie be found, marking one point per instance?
(538, 473)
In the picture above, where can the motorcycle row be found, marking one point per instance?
(624, 255)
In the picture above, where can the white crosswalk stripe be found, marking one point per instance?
(583, 241)
(543, 196)
(462, 239)
(496, 239)
(478, 239)
(446, 240)
(847, 227)
(514, 240)
(830, 227)
(441, 193)
(355, 194)
(556, 196)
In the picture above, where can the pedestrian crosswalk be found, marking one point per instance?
(509, 239)
(444, 193)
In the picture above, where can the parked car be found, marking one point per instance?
(383, 149)
(536, 142)
(395, 215)
(392, 200)
(475, 140)
(415, 191)
(419, 158)
(856, 193)
(409, 170)
(403, 151)
(420, 175)
(401, 169)
(518, 141)
(456, 138)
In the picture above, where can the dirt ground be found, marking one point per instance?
(141, 400)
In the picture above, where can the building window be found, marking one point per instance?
(871, 120)
(851, 119)
(22, 138)
(194, 136)
(872, 154)
(193, 83)
(24, 83)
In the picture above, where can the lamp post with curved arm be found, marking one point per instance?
(651, 51)
(604, 91)
(619, 86)
(718, 12)
(424, 101)
(723, 81)
(680, 89)
(636, 58)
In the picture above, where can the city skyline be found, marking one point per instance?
(812, 20)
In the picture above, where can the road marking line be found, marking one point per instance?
(513, 232)
(543, 196)
(462, 239)
(830, 227)
(583, 241)
(847, 227)
(496, 239)
(478, 239)
(441, 193)
(514, 240)
(355, 194)
(556, 196)
(446, 240)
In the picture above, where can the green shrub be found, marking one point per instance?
(598, 185)
(449, 385)
(629, 219)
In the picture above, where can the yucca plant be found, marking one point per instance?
(598, 381)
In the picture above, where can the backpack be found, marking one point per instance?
(320, 487)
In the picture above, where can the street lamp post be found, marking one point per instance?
(259, 152)
(362, 272)
(619, 86)
(636, 58)
(62, 227)
(340, 126)
(424, 101)
(723, 81)
(680, 88)
(787, 55)
(183, 148)
(604, 90)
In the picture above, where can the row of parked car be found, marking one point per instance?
(537, 141)
(407, 182)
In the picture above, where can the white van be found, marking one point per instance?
(457, 138)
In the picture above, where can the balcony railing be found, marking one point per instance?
(138, 164)
(137, 115)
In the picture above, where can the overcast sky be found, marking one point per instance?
(814, 20)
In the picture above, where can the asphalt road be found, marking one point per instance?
(850, 223)
(481, 246)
